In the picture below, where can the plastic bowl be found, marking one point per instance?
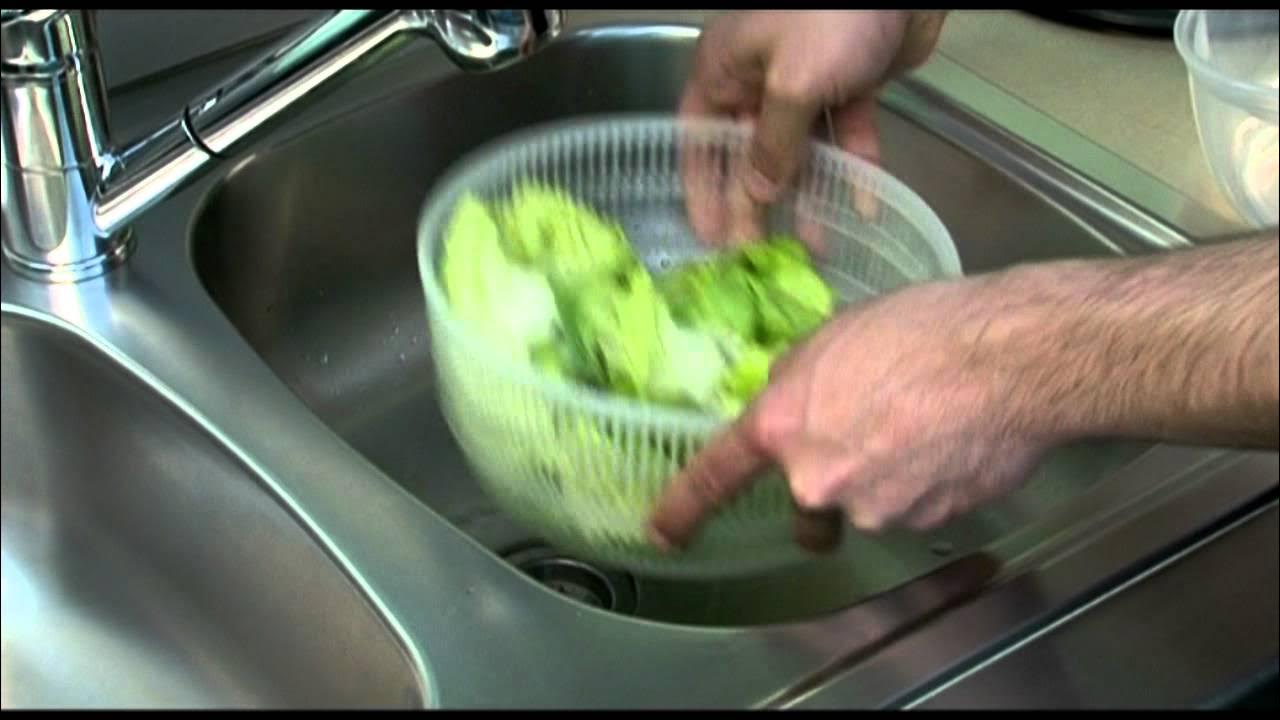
(1231, 64)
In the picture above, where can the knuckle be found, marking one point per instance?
(769, 430)
(795, 85)
(807, 495)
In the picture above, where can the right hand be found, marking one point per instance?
(892, 412)
(780, 71)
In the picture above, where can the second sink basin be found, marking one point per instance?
(308, 248)
(144, 566)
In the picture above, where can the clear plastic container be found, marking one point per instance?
(1231, 63)
(584, 468)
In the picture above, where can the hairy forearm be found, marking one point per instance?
(1179, 347)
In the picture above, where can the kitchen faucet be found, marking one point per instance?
(69, 194)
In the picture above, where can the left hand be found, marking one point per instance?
(909, 409)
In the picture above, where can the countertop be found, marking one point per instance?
(1111, 104)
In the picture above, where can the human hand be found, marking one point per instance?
(782, 72)
(894, 411)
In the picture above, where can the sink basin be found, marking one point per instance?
(144, 566)
(308, 249)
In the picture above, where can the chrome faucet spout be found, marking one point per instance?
(70, 194)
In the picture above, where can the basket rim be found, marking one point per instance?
(442, 197)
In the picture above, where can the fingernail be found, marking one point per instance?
(868, 523)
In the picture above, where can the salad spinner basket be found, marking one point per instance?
(583, 468)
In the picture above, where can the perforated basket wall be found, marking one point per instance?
(584, 469)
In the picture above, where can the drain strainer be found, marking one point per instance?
(575, 579)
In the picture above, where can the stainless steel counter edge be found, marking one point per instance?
(1227, 488)
(1211, 607)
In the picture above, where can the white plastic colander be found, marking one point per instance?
(583, 468)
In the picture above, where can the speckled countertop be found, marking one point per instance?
(1125, 94)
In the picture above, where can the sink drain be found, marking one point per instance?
(575, 579)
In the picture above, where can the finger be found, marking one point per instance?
(871, 513)
(819, 531)
(810, 230)
(856, 131)
(806, 216)
(722, 469)
(701, 171)
(933, 510)
(780, 142)
(867, 499)
(852, 128)
(746, 215)
(928, 490)
(725, 82)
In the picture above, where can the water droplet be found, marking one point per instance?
(324, 359)
(401, 357)
(413, 340)
(395, 330)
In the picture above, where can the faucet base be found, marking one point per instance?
(115, 250)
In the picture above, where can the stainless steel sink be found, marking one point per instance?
(144, 565)
(226, 481)
(308, 248)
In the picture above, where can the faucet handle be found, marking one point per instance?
(480, 40)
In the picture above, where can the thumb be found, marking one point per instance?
(855, 130)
